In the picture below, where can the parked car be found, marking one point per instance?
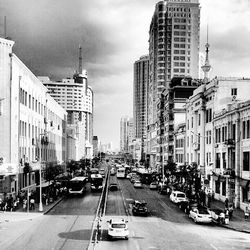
(177, 197)
(200, 215)
(153, 185)
(113, 186)
(134, 179)
(218, 215)
(118, 228)
(187, 205)
(138, 184)
(139, 208)
(163, 189)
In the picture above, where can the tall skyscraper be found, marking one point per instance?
(126, 133)
(141, 74)
(173, 46)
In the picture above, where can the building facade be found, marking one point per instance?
(141, 74)
(74, 95)
(33, 129)
(126, 133)
(173, 52)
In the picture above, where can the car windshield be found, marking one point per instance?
(181, 195)
(118, 225)
(203, 211)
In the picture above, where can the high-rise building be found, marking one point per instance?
(126, 133)
(76, 96)
(95, 146)
(173, 53)
(173, 46)
(141, 74)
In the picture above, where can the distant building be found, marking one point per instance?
(76, 96)
(95, 146)
(141, 79)
(126, 133)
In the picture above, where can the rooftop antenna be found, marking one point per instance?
(206, 67)
(5, 27)
(80, 59)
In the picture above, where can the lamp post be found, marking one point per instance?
(40, 176)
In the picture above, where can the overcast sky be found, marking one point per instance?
(113, 34)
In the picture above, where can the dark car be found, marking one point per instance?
(186, 206)
(163, 189)
(139, 208)
(113, 186)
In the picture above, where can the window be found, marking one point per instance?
(234, 91)
(217, 160)
(199, 119)
(224, 160)
(246, 161)
(208, 115)
(244, 129)
(192, 122)
(217, 187)
(224, 188)
(248, 129)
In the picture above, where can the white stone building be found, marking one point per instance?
(33, 124)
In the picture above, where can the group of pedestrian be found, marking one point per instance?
(8, 203)
(228, 209)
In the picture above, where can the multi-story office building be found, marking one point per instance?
(173, 52)
(74, 95)
(173, 46)
(33, 124)
(141, 73)
(95, 146)
(126, 133)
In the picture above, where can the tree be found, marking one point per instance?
(72, 166)
(52, 171)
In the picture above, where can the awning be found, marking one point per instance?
(244, 183)
(45, 184)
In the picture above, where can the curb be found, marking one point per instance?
(235, 229)
(57, 202)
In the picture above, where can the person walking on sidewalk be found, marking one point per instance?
(226, 203)
(247, 212)
(230, 211)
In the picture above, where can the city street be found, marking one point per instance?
(66, 226)
(166, 227)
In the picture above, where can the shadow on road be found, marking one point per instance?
(76, 235)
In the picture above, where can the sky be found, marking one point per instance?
(113, 35)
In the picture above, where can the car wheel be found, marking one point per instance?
(126, 238)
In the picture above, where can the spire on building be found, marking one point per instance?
(80, 59)
(206, 67)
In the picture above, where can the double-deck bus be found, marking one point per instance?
(121, 172)
(77, 185)
(96, 181)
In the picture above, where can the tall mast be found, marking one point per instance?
(80, 60)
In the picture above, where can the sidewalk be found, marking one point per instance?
(238, 221)
(20, 214)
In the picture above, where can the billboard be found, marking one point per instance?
(8, 169)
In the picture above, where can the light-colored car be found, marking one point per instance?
(138, 184)
(200, 215)
(177, 197)
(118, 228)
(153, 185)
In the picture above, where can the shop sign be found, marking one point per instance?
(8, 169)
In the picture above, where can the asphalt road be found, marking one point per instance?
(67, 227)
(166, 227)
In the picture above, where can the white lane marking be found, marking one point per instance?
(214, 247)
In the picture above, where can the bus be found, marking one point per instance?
(77, 185)
(121, 172)
(96, 181)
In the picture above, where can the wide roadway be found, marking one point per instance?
(166, 227)
(67, 226)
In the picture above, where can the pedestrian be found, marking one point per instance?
(24, 203)
(226, 203)
(32, 203)
(230, 210)
(246, 212)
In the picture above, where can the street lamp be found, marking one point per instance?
(40, 176)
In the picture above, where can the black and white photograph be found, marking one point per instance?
(124, 124)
